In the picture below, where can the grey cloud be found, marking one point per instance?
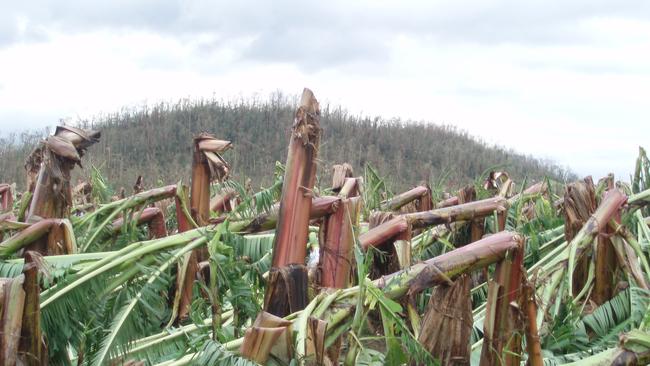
(511, 21)
(482, 20)
(317, 34)
(12, 31)
(315, 48)
(78, 16)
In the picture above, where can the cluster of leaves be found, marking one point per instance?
(574, 336)
(374, 191)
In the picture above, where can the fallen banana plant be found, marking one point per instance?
(492, 274)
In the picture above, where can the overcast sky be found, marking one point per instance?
(564, 80)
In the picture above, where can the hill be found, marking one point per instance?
(156, 142)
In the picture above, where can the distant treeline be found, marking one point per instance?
(156, 142)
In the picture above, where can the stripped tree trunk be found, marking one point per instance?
(31, 342)
(337, 238)
(53, 192)
(12, 299)
(32, 166)
(339, 175)
(447, 324)
(476, 230)
(207, 165)
(425, 202)
(351, 187)
(6, 197)
(157, 228)
(607, 210)
(446, 327)
(502, 326)
(336, 254)
(504, 192)
(465, 211)
(398, 231)
(532, 335)
(138, 185)
(385, 231)
(468, 211)
(451, 201)
(475, 227)
(605, 269)
(56, 234)
(287, 287)
(402, 199)
(579, 205)
(182, 218)
(189, 265)
(269, 336)
(448, 266)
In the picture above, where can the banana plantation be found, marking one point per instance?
(326, 266)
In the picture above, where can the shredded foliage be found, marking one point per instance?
(112, 302)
